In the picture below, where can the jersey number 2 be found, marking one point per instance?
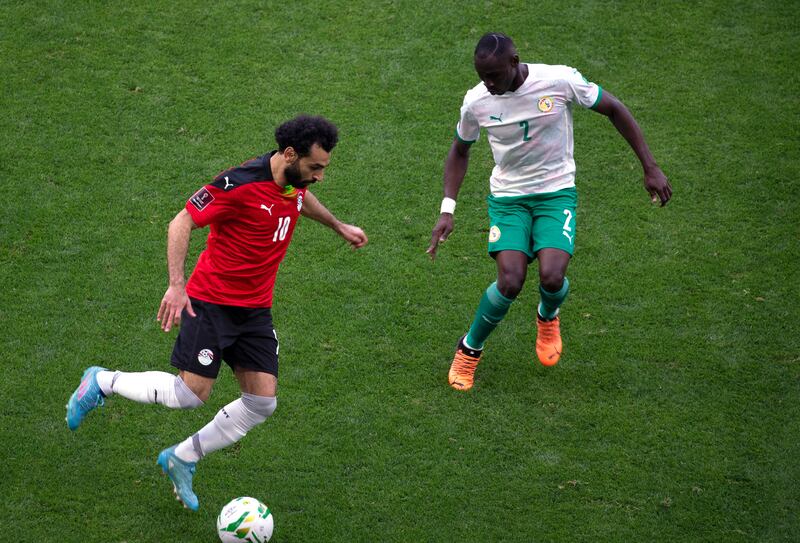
(283, 229)
(524, 125)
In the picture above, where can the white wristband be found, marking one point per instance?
(448, 205)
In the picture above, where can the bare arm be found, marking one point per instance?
(455, 169)
(655, 182)
(176, 299)
(313, 209)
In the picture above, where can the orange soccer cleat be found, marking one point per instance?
(548, 340)
(462, 370)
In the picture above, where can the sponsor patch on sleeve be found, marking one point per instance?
(201, 199)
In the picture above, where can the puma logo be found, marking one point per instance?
(227, 183)
(269, 209)
(568, 236)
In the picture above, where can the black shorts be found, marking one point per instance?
(241, 336)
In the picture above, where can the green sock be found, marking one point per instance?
(491, 310)
(551, 301)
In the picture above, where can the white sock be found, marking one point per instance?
(104, 379)
(149, 387)
(231, 424)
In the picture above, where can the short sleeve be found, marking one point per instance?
(211, 204)
(582, 91)
(467, 130)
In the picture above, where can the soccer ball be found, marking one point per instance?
(245, 519)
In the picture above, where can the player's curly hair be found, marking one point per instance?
(304, 131)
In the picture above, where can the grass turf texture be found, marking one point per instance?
(674, 413)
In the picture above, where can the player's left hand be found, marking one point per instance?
(353, 235)
(657, 185)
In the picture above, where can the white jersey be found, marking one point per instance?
(530, 129)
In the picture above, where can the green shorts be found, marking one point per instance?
(532, 222)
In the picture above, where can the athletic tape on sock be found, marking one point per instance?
(186, 398)
(233, 421)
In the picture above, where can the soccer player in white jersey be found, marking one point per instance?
(526, 110)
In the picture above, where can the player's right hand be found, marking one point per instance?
(443, 228)
(172, 304)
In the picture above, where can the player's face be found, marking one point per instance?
(498, 74)
(308, 169)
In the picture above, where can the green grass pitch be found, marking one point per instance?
(674, 414)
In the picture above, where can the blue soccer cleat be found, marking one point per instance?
(85, 398)
(181, 474)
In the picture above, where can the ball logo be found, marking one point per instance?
(545, 104)
(494, 234)
(205, 357)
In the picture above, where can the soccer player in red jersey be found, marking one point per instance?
(224, 311)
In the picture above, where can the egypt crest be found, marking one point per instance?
(299, 202)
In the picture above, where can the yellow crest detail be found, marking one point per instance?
(545, 104)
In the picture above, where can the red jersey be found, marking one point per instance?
(251, 223)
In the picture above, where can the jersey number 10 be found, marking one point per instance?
(283, 229)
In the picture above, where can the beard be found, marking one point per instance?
(294, 177)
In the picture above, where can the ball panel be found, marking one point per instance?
(245, 519)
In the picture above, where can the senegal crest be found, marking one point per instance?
(545, 104)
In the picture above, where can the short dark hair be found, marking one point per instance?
(493, 44)
(304, 131)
